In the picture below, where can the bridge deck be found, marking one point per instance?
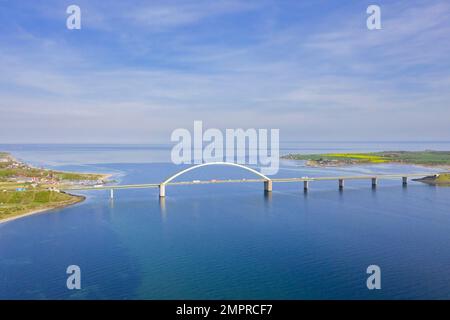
(156, 185)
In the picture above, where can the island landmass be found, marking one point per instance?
(25, 189)
(426, 158)
(430, 158)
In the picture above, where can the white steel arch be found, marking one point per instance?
(215, 163)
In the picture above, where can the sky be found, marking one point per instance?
(137, 70)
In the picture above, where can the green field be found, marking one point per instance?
(13, 203)
(432, 158)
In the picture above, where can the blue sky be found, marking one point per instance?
(137, 70)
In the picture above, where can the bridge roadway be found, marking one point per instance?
(267, 183)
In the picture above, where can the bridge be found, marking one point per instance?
(261, 178)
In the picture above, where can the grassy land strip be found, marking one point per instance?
(14, 203)
(430, 158)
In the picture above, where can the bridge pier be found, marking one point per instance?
(111, 194)
(404, 181)
(162, 190)
(374, 182)
(305, 185)
(341, 184)
(268, 186)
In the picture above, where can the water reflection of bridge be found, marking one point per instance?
(262, 178)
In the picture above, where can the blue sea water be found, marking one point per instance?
(230, 241)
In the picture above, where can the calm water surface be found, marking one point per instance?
(229, 241)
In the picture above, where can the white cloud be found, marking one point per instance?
(301, 82)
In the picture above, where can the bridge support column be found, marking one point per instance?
(268, 186)
(162, 190)
(341, 184)
(374, 182)
(305, 185)
(405, 180)
(111, 194)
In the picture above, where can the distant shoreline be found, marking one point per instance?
(427, 158)
(104, 176)
(311, 163)
(430, 159)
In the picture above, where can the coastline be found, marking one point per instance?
(59, 206)
(25, 204)
(315, 164)
(104, 176)
(439, 160)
